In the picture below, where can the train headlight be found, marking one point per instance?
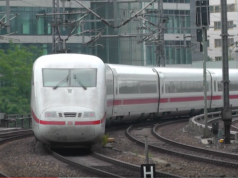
(50, 114)
(90, 114)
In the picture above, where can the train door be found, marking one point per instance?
(209, 89)
(109, 91)
(159, 88)
(115, 93)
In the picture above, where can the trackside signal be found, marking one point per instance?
(202, 13)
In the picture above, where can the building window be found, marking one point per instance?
(217, 43)
(176, 1)
(230, 24)
(217, 25)
(217, 9)
(230, 41)
(211, 9)
(231, 8)
(218, 58)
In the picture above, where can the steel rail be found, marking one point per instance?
(3, 175)
(189, 147)
(234, 127)
(129, 165)
(81, 166)
(12, 133)
(16, 137)
(187, 156)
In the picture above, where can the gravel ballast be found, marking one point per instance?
(20, 159)
(133, 153)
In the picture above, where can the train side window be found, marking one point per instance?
(162, 88)
(136, 87)
(147, 87)
(128, 87)
(208, 87)
(215, 87)
(184, 86)
(220, 86)
(233, 86)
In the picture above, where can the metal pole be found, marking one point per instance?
(63, 2)
(57, 21)
(184, 38)
(8, 15)
(64, 45)
(83, 40)
(115, 14)
(204, 41)
(226, 111)
(55, 4)
(160, 59)
(146, 150)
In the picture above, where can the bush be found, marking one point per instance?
(105, 139)
(15, 78)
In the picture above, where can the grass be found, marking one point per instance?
(105, 139)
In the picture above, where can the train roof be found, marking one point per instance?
(67, 61)
(172, 73)
(127, 69)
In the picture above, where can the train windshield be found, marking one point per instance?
(70, 78)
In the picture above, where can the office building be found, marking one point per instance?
(124, 45)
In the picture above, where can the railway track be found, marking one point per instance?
(103, 166)
(186, 151)
(3, 175)
(13, 135)
(9, 136)
(234, 125)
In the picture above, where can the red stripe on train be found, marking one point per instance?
(214, 97)
(103, 119)
(34, 116)
(52, 122)
(163, 100)
(87, 122)
(43, 122)
(140, 101)
(46, 122)
(166, 100)
(185, 99)
(233, 96)
(117, 102)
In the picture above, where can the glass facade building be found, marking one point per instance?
(118, 46)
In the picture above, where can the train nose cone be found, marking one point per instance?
(69, 124)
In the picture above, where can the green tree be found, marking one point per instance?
(15, 78)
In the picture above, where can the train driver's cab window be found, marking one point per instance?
(54, 77)
(83, 77)
(69, 78)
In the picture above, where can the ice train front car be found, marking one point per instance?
(68, 100)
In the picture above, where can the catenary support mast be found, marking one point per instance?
(226, 111)
(8, 15)
(160, 58)
(55, 8)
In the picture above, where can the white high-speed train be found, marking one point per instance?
(73, 96)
